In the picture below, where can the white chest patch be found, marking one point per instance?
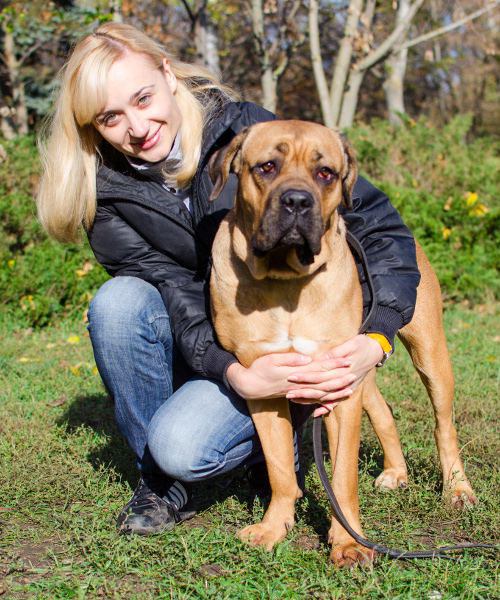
(285, 342)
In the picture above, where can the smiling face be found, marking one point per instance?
(141, 116)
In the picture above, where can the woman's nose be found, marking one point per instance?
(138, 125)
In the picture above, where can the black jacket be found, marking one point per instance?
(142, 230)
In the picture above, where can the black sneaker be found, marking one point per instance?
(146, 512)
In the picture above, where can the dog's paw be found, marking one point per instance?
(392, 479)
(462, 496)
(352, 555)
(262, 534)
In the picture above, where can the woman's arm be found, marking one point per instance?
(390, 251)
(123, 252)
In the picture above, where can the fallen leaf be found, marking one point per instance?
(58, 402)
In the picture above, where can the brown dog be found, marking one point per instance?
(284, 280)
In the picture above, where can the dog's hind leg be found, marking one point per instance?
(425, 341)
(394, 474)
(273, 423)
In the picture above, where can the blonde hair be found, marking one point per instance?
(69, 142)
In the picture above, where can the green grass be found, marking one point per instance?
(65, 473)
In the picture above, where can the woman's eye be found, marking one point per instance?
(143, 100)
(267, 167)
(326, 174)
(107, 120)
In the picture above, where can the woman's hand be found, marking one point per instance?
(323, 382)
(270, 376)
(326, 381)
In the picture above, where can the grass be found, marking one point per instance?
(65, 473)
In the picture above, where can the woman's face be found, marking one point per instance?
(141, 116)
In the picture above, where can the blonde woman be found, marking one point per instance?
(125, 160)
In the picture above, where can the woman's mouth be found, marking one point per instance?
(149, 142)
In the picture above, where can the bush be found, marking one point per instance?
(39, 278)
(446, 189)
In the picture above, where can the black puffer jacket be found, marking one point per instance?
(144, 231)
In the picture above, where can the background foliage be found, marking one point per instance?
(444, 185)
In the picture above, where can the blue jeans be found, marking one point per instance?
(196, 432)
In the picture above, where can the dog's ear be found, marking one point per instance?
(349, 173)
(224, 161)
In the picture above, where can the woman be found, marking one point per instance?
(126, 156)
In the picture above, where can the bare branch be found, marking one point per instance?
(191, 15)
(29, 52)
(442, 30)
(387, 47)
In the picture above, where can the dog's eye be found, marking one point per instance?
(326, 174)
(267, 167)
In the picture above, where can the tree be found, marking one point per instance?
(276, 38)
(205, 36)
(30, 29)
(359, 52)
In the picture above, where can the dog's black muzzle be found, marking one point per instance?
(292, 221)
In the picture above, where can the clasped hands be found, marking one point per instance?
(325, 381)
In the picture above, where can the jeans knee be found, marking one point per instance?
(180, 456)
(125, 307)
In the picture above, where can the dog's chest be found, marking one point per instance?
(260, 317)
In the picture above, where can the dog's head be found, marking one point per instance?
(292, 177)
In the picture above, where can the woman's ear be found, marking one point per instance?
(169, 75)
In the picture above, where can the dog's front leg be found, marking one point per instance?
(273, 424)
(343, 425)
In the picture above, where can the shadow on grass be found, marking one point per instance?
(97, 413)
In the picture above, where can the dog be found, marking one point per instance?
(284, 280)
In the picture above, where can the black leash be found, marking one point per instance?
(320, 464)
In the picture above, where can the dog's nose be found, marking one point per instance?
(296, 201)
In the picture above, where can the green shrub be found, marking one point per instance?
(446, 189)
(39, 278)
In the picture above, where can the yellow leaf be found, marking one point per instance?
(73, 339)
(75, 370)
(491, 359)
(23, 360)
(446, 233)
(11, 263)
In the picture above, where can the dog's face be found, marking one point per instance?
(292, 177)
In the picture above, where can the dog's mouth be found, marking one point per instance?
(305, 247)
(292, 221)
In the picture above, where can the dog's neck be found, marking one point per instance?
(285, 264)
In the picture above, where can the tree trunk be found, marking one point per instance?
(350, 100)
(205, 39)
(19, 112)
(269, 90)
(269, 83)
(396, 63)
(344, 58)
(317, 65)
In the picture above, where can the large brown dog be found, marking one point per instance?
(284, 280)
